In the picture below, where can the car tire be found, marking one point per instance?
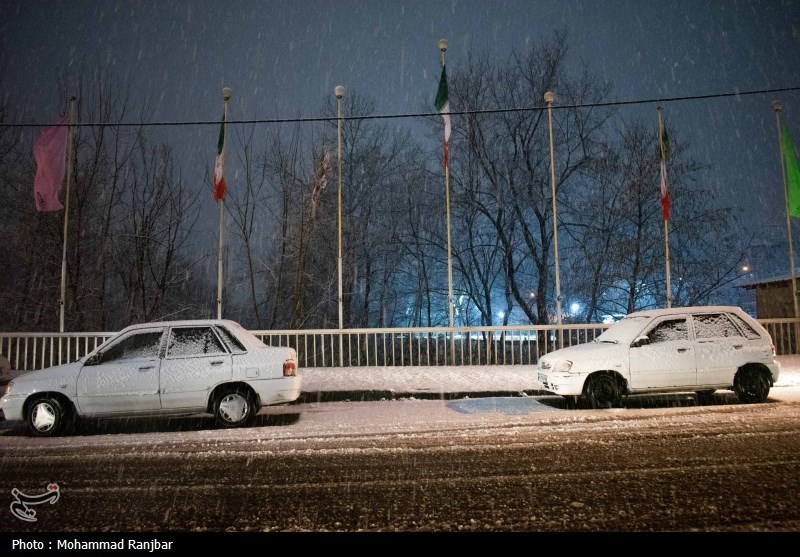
(602, 391)
(47, 417)
(752, 386)
(705, 397)
(234, 407)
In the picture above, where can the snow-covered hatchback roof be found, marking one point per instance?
(690, 309)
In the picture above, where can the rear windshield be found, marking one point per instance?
(233, 343)
(746, 328)
(245, 337)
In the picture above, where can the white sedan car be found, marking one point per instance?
(166, 368)
(698, 349)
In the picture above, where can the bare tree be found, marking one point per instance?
(509, 149)
(150, 245)
(618, 263)
(244, 204)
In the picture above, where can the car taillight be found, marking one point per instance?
(289, 368)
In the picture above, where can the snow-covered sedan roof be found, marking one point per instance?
(246, 337)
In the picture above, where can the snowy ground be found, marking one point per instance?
(449, 379)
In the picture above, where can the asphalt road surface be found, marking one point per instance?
(521, 464)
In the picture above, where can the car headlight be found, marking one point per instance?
(8, 388)
(562, 366)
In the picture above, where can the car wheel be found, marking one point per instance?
(602, 391)
(47, 417)
(752, 386)
(705, 397)
(234, 407)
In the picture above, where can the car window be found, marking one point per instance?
(746, 328)
(136, 346)
(668, 330)
(232, 342)
(714, 325)
(193, 341)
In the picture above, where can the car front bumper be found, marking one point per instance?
(11, 406)
(565, 384)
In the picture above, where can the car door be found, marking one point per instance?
(720, 348)
(124, 378)
(196, 361)
(665, 358)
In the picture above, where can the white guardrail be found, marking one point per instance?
(511, 345)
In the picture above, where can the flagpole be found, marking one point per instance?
(339, 92)
(443, 49)
(62, 301)
(226, 95)
(549, 97)
(666, 221)
(777, 107)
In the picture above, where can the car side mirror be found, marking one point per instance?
(640, 341)
(94, 359)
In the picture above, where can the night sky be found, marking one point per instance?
(283, 58)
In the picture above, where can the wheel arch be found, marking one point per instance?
(230, 386)
(66, 402)
(621, 381)
(753, 367)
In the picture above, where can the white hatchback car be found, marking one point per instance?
(698, 349)
(166, 368)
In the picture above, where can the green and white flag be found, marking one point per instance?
(442, 104)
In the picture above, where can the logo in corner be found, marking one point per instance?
(21, 506)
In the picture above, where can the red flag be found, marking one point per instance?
(220, 187)
(50, 153)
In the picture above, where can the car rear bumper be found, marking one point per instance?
(775, 369)
(279, 391)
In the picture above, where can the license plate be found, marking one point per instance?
(542, 378)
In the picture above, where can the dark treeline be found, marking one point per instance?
(139, 248)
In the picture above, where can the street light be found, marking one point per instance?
(339, 92)
(549, 96)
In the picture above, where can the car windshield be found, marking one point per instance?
(624, 331)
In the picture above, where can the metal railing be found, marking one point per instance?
(785, 333)
(511, 345)
(32, 351)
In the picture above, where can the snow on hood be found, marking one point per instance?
(589, 356)
(53, 376)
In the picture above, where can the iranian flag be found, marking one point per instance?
(220, 188)
(664, 140)
(443, 106)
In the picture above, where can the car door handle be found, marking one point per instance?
(217, 362)
(145, 368)
(737, 346)
(683, 349)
